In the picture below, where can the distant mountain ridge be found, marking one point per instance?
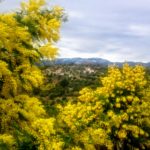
(92, 61)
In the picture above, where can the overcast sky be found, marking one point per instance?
(117, 30)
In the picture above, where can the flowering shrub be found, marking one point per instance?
(114, 116)
(25, 37)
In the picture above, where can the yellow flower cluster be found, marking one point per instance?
(8, 140)
(49, 51)
(43, 130)
(33, 5)
(111, 115)
(26, 37)
(30, 116)
(118, 82)
(87, 95)
(77, 116)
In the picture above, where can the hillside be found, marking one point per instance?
(94, 61)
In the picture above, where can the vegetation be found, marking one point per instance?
(69, 107)
(25, 38)
(114, 116)
(67, 80)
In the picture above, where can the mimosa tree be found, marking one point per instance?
(26, 36)
(114, 116)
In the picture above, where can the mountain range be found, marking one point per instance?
(92, 61)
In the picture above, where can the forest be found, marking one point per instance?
(65, 107)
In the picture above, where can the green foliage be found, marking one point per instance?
(74, 77)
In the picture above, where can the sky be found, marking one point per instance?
(117, 30)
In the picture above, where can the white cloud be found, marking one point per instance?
(112, 29)
(7, 5)
(67, 53)
(75, 14)
(139, 30)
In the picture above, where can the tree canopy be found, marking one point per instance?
(26, 37)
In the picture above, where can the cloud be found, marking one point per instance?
(77, 15)
(112, 29)
(140, 30)
(7, 5)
